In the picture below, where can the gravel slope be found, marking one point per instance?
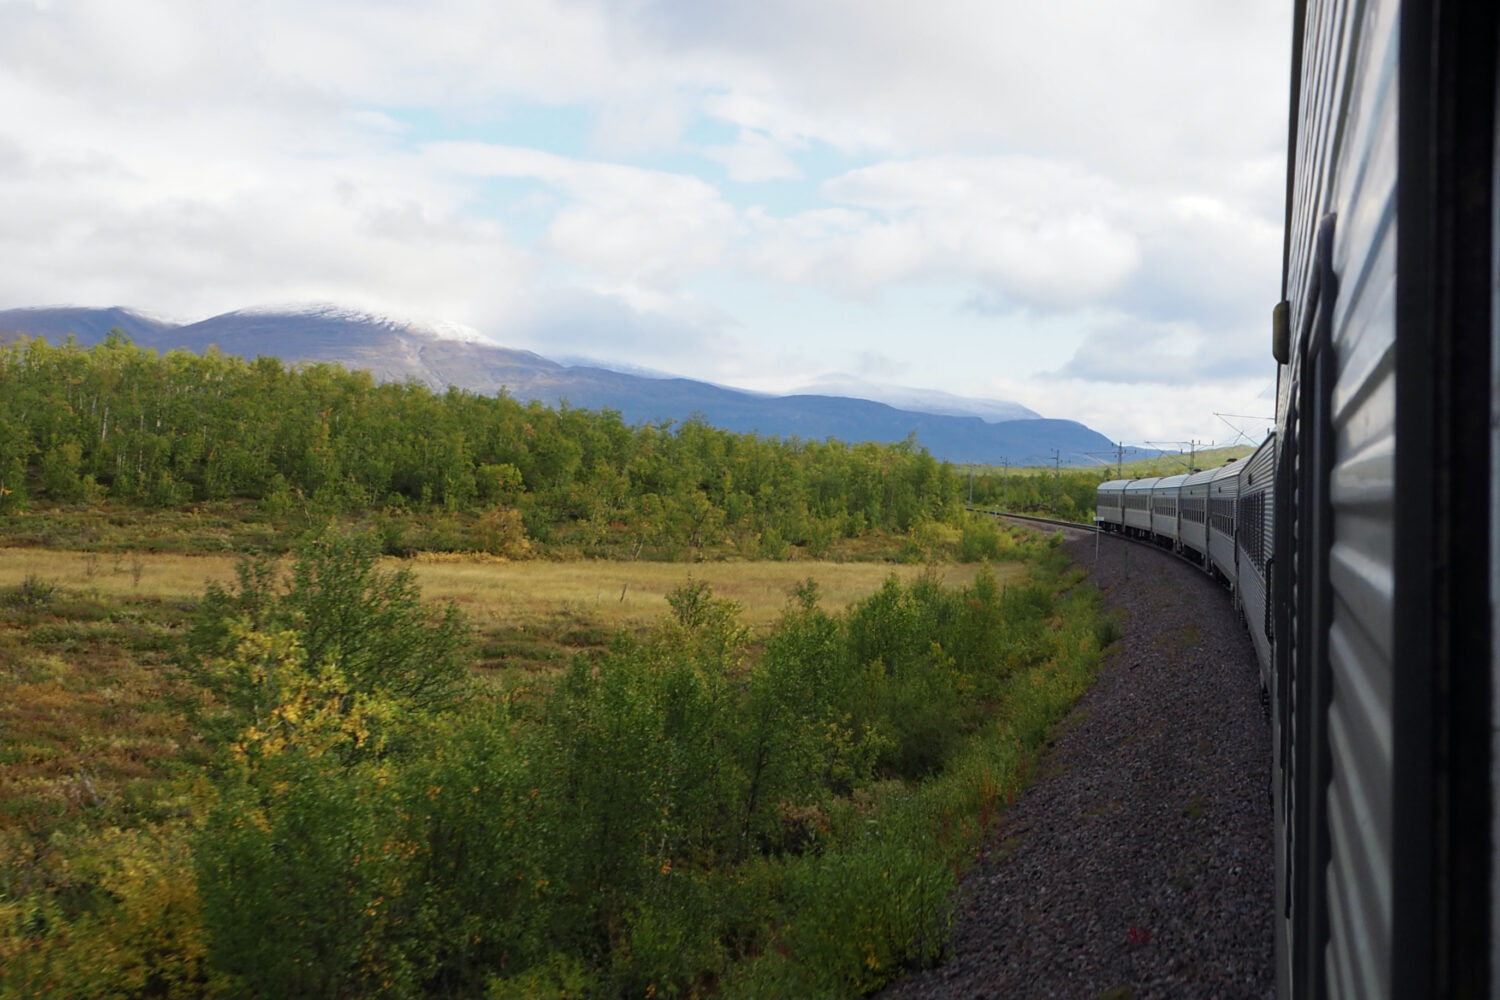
(1140, 863)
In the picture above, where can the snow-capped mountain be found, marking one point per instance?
(443, 355)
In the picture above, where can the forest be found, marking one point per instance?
(120, 425)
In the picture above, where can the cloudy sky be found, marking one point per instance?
(1073, 204)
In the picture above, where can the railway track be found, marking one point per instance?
(1031, 517)
(1140, 863)
(1184, 554)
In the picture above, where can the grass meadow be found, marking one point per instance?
(610, 594)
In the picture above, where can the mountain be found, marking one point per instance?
(920, 400)
(90, 325)
(950, 427)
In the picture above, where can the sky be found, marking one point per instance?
(1074, 204)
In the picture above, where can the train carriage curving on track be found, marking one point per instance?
(1223, 496)
(1165, 509)
(1361, 536)
(1138, 506)
(1253, 533)
(1109, 505)
(1194, 531)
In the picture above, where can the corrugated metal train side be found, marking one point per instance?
(1255, 513)
(1381, 585)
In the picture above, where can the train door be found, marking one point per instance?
(1494, 515)
(1304, 683)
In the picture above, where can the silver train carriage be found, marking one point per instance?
(1109, 505)
(1254, 516)
(1366, 555)
(1194, 534)
(1138, 506)
(1165, 508)
(1223, 497)
(1383, 570)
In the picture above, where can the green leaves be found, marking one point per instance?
(125, 424)
(338, 615)
(674, 818)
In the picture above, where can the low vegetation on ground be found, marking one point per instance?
(309, 781)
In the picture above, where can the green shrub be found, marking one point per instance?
(344, 614)
(32, 592)
(671, 945)
(980, 540)
(487, 890)
(861, 915)
(664, 823)
(559, 977)
(299, 869)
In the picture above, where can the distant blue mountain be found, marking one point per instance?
(395, 350)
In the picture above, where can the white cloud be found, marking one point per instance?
(755, 157)
(1144, 90)
(1109, 169)
(624, 327)
(1037, 232)
(620, 222)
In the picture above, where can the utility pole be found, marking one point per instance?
(1193, 452)
(971, 485)
(1005, 486)
(1120, 460)
(1056, 477)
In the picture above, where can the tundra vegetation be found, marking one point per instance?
(308, 781)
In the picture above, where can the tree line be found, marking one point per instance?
(120, 424)
(1067, 494)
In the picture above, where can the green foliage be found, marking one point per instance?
(676, 816)
(559, 977)
(121, 918)
(339, 621)
(14, 497)
(304, 859)
(124, 424)
(864, 913)
(983, 538)
(482, 821)
(300, 870)
(795, 737)
(33, 592)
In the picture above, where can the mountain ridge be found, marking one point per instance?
(441, 355)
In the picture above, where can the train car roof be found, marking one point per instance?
(1141, 484)
(1168, 482)
(1114, 484)
(1229, 470)
(1199, 478)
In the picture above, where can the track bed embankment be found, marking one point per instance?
(1139, 864)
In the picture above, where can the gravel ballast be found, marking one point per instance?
(1139, 864)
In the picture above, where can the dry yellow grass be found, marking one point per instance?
(168, 576)
(498, 594)
(629, 594)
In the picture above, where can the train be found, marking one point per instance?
(1220, 519)
(1360, 539)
